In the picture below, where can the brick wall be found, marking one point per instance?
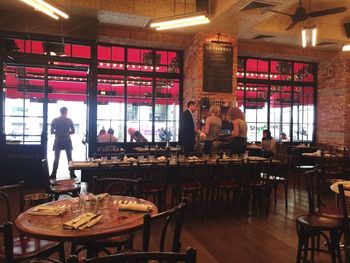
(193, 70)
(333, 98)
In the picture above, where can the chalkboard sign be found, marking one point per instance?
(217, 67)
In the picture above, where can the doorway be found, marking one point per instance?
(67, 88)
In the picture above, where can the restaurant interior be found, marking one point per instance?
(127, 72)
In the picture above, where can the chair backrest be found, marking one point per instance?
(153, 174)
(346, 228)
(138, 257)
(229, 170)
(313, 187)
(176, 215)
(17, 189)
(6, 230)
(188, 172)
(116, 186)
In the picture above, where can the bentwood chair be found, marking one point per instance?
(56, 188)
(113, 186)
(346, 229)
(227, 180)
(154, 181)
(173, 216)
(137, 257)
(311, 227)
(17, 249)
(189, 180)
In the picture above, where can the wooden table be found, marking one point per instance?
(334, 187)
(114, 221)
(153, 149)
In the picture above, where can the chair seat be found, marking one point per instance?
(193, 186)
(65, 188)
(277, 179)
(25, 247)
(40, 260)
(225, 184)
(66, 181)
(320, 222)
(306, 167)
(335, 213)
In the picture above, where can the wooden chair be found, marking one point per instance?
(189, 180)
(346, 229)
(154, 181)
(57, 188)
(278, 175)
(175, 214)
(136, 257)
(301, 165)
(113, 186)
(22, 248)
(227, 180)
(255, 187)
(310, 227)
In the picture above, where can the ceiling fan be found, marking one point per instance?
(300, 14)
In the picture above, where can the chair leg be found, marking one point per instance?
(286, 194)
(62, 254)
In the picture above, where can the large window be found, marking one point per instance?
(138, 90)
(277, 95)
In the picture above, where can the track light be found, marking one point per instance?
(192, 19)
(46, 8)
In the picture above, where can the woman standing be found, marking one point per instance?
(239, 133)
(212, 128)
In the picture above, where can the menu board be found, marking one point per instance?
(217, 67)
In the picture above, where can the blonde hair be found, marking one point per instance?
(214, 109)
(235, 113)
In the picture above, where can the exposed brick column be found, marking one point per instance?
(193, 70)
(333, 101)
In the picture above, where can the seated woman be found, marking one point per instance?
(268, 144)
(212, 128)
(136, 136)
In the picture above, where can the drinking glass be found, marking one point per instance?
(181, 157)
(150, 157)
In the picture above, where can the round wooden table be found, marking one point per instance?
(114, 221)
(334, 187)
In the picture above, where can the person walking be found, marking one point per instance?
(62, 127)
(187, 133)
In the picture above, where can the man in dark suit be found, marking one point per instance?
(187, 133)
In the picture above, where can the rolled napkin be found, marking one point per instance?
(193, 158)
(83, 221)
(102, 196)
(133, 206)
(48, 210)
(161, 158)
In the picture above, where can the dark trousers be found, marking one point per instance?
(238, 145)
(207, 147)
(57, 159)
(188, 146)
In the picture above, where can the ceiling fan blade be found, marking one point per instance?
(291, 25)
(328, 12)
(281, 13)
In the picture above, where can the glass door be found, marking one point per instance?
(67, 87)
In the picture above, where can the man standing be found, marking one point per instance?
(187, 133)
(62, 127)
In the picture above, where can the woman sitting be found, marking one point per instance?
(212, 129)
(268, 144)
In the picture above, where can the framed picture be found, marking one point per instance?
(330, 72)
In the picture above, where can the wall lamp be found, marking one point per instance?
(178, 21)
(46, 8)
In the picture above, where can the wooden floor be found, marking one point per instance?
(220, 237)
